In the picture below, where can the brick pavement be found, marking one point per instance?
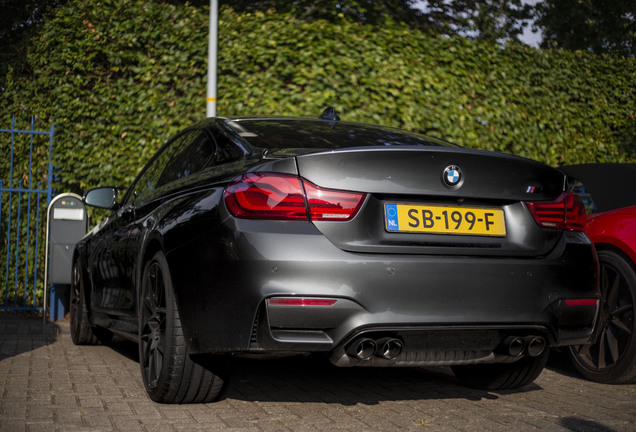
(48, 384)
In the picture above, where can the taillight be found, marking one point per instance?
(258, 196)
(327, 204)
(287, 197)
(565, 213)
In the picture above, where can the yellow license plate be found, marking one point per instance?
(445, 220)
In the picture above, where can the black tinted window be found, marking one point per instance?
(147, 181)
(192, 155)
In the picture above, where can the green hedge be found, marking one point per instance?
(118, 78)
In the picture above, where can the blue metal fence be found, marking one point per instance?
(23, 204)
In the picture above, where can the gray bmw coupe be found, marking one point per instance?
(377, 246)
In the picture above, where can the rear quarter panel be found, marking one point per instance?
(616, 228)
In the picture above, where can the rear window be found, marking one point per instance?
(324, 134)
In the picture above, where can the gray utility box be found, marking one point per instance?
(67, 224)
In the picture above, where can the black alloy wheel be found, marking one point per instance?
(82, 333)
(612, 358)
(153, 325)
(168, 372)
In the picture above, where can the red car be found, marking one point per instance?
(609, 192)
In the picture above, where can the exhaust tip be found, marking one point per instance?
(535, 345)
(390, 349)
(362, 349)
(514, 345)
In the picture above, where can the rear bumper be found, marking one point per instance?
(464, 303)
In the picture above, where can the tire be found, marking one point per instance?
(502, 376)
(612, 358)
(168, 372)
(82, 333)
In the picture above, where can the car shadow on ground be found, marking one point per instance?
(312, 378)
(304, 367)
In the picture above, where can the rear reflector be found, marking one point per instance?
(565, 213)
(287, 197)
(581, 302)
(295, 301)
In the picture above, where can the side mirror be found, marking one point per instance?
(102, 197)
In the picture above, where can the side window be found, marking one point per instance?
(227, 150)
(147, 180)
(192, 155)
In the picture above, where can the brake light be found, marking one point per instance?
(287, 197)
(565, 213)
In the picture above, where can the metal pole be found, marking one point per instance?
(212, 48)
(49, 199)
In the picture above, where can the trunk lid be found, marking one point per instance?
(411, 180)
(419, 171)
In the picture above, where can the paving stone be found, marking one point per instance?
(49, 384)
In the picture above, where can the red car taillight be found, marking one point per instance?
(565, 213)
(287, 197)
(327, 204)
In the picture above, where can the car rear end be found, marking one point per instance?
(398, 255)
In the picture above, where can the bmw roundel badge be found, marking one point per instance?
(452, 176)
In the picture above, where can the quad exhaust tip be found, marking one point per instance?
(535, 345)
(516, 346)
(362, 349)
(365, 348)
(389, 348)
